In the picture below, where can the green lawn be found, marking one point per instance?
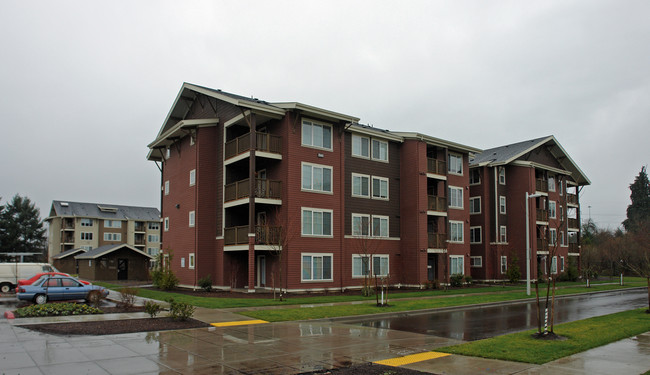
(580, 336)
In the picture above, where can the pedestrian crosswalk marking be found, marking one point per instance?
(400, 361)
(238, 323)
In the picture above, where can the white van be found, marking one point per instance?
(10, 273)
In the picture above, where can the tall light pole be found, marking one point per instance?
(528, 196)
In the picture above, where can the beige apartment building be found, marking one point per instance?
(76, 225)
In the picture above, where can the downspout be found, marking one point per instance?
(342, 199)
(196, 205)
(497, 230)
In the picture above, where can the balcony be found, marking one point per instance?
(542, 244)
(67, 224)
(541, 185)
(264, 142)
(437, 204)
(268, 189)
(436, 166)
(67, 238)
(573, 224)
(542, 214)
(139, 241)
(437, 241)
(139, 226)
(263, 235)
(574, 248)
(572, 199)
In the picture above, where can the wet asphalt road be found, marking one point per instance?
(479, 323)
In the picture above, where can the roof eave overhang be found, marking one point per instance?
(439, 142)
(317, 112)
(177, 131)
(376, 133)
(110, 250)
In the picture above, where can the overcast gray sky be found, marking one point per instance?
(86, 85)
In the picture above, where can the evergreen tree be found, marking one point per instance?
(639, 210)
(21, 229)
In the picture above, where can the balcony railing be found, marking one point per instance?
(541, 185)
(574, 248)
(263, 235)
(437, 203)
(139, 241)
(436, 166)
(270, 189)
(67, 224)
(572, 199)
(437, 241)
(67, 239)
(264, 142)
(542, 214)
(139, 227)
(573, 223)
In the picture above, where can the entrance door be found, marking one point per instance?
(261, 271)
(432, 261)
(122, 269)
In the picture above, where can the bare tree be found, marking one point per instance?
(277, 236)
(634, 251)
(365, 247)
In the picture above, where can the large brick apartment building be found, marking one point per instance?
(249, 188)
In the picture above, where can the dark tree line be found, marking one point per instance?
(21, 229)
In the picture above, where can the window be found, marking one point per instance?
(190, 262)
(380, 188)
(360, 185)
(86, 247)
(154, 225)
(456, 265)
(112, 236)
(360, 225)
(86, 222)
(502, 175)
(455, 164)
(167, 187)
(183, 262)
(380, 265)
(456, 228)
(316, 222)
(192, 218)
(551, 183)
(554, 265)
(380, 226)
(316, 135)
(112, 224)
(360, 146)
(153, 251)
(168, 153)
(551, 209)
(552, 234)
(503, 234)
(86, 235)
(166, 224)
(474, 177)
(502, 204)
(455, 197)
(561, 264)
(193, 177)
(560, 184)
(504, 264)
(360, 265)
(561, 213)
(153, 238)
(475, 235)
(562, 239)
(316, 178)
(379, 150)
(475, 205)
(316, 267)
(476, 261)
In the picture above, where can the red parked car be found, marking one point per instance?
(32, 279)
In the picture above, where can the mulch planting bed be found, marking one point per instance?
(113, 327)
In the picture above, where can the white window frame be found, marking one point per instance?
(552, 209)
(372, 187)
(459, 196)
(504, 264)
(357, 140)
(310, 187)
(552, 237)
(192, 218)
(112, 224)
(381, 233)
(460, 261)
(503, 234)
(111, 236)
(551, 183)
(167, 187)
(311, 268)
(452, 232)
(356, 228)
(560, 184)
(457, 162)
(471, 205)
(316, 124)
(502, 176)
(361, 177)
(380, 257)
(86, 222)
(153, 225)
(554, 265)
(166, 226)
(471, 175)
(86, 236)
(480, 234)
(476, 261)
(376, 143)
(153, 238)
(563, 239)
(191, 261)
(322, 211)
(561, 263)
(193, 177)
(359, 258)
(502, 204)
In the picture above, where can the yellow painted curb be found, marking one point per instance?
(400, 361)
(238, 323)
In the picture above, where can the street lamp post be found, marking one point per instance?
(528, 196)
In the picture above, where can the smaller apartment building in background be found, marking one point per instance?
(76, 225)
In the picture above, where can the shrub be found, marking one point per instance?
(180, 310)
(206, 283)
(468, 279)
(513, 273)
(152, 308)
(127, 296)
(56, 309)
(456, 280)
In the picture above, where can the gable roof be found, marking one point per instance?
(509, 153)
(107, 249)
(103, 211)
(69, 252)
